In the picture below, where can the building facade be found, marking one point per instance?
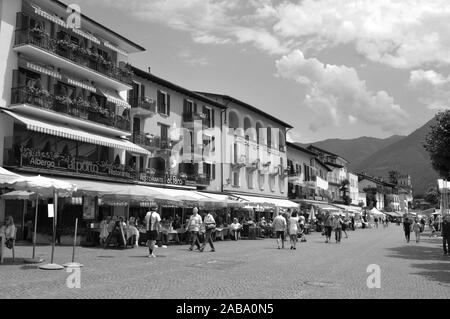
(254, 150)
(339, 173)
(353, 188)
(307, 175)
(182, 131)
(63, 99)
(374, 190)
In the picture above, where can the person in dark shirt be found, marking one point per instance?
(446, 235)
(407, 228)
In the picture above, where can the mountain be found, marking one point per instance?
(356, 150)
(408, 157)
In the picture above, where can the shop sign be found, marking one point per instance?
(168, 179)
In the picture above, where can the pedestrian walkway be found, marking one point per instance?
(244, 269)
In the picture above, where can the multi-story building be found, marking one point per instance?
(307, 174)
(374, 189)
(339, 173)
(254, 150)
(391, 197)
(182, 131)
(353, 188)
(63, 98)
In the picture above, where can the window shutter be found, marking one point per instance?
(142, 91)
(195, 108)
(213, 173)
(213, 120)
(159, 100)
(185, 108)
(168, 104)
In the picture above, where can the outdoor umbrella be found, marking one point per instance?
(7, 176)
(312, 215)
(25, 195)
(46, 188)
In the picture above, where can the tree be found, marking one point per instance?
(437, 144)
(344, 189)
(432, 196)
(393, 177)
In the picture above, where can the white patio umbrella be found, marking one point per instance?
(312, 215)
(46, 188)
(25, 195)
(7, 176)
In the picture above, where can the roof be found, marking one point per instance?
(137, 46)
(334, 165)
(300, 148)
(369, 178)
(250, 107)
(325, 151)
(148, 76)
(324, 165)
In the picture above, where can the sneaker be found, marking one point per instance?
(190, 248)
(152, 256)
(201, 249)
(295, 248)
(213, 250)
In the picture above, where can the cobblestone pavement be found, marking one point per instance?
(244, 269)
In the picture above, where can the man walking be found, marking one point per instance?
(153, 222)
(210, 227)
(194, 227)
(446, 235)
(279, 227)
(328, 227)
(407, 228)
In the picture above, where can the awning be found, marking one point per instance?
(222, 198)
(321, 205)
(375, 211)
(284, 203)
(77, 135)
(351, 209)
(7, 176)
(114, 97)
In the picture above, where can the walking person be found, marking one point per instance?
(422, 224)
(353, 223)
(279, 227)
(194, 225)
(417, 227)
(345, 226)
(407, 228)
(210, 227)
(446, 235)
(337, 225)
(293, 229)
(376, 222)
(328, 225)
(153, 222)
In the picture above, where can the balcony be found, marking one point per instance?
(150, 143)
(66, 55)
(143, 107)
(189, 119)
(78, 112)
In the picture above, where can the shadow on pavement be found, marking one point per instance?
(437, 271)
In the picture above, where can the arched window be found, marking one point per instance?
(233, 123)
(259, 133)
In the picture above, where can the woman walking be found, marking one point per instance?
(345, 226)
(338, 228)
(293, 229)
(417, 227)
(328, 224)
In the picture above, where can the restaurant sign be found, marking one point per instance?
(167, 179)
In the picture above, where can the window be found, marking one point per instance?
(164, 129)
(261, 180)
(250, 180)
(269, 137)
(163, 101)
(209, 170)
(236, 179)
(272, 183)
(209, 117)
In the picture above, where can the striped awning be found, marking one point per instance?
(114, 48)
(86, 35)
(43, 70)
(65, 131)
(48, 16)
(81, 85)
(114, 97)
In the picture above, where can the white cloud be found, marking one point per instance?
(432, 87)
(192, 58)
(402, 34)
(336, 95)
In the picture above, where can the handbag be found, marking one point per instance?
(210, 226)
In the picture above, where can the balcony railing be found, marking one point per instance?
(73, 52)
(78, 108)
(155, 143)
(143, 103)
(191, 117)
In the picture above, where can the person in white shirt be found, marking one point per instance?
(193, 226)
(293, 229)
(210, 227)
(279, 227)
(235, 228)
(152, 220)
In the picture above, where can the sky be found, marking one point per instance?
(330, 68)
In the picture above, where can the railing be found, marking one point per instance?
(155, 142)
(73, 52)
(76, 108)
(143, 103)
(191, 117)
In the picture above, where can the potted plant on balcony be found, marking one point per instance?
(62, 103)
(38, 31)
(81, 106)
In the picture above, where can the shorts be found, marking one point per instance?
(152, 234)
(280, 234)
